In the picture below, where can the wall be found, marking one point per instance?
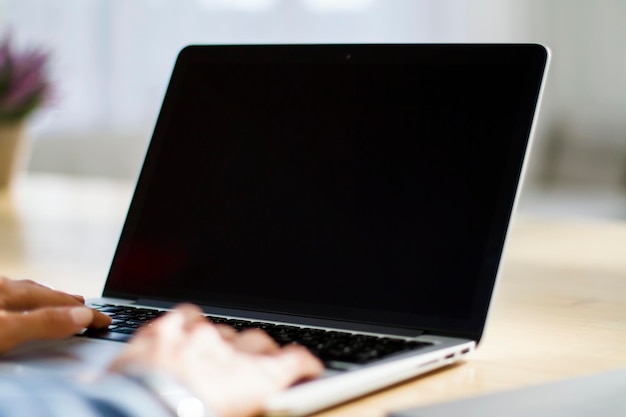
(114, 59)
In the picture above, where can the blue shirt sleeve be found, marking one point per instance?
(45, 395)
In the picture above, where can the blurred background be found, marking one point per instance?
(111, 61)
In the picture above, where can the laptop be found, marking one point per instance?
(354, 198)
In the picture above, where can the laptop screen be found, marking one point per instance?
(368, 183)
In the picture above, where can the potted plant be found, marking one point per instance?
(24, 87)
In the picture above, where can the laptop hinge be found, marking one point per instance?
(294, 319)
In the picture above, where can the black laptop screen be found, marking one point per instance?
(367, 183)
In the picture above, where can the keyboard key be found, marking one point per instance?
(107, 335)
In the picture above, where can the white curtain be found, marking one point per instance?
(112, 58)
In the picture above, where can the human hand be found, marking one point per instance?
(31, 311)
(233, 373)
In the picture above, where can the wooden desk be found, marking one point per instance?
(559, 309)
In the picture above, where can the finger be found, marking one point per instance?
(144, 343)
(228, 333)
(40, 324)
(172, 328)
(100, 320)
(19, 295)
(191, 315)
(28, 282)
(141, 346)
(79, 298)
(31, 282)
(294, 363)
(255, 341)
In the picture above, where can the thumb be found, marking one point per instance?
(43, 323)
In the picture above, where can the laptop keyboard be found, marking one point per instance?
(338, 350)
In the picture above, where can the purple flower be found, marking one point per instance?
(24, 83)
